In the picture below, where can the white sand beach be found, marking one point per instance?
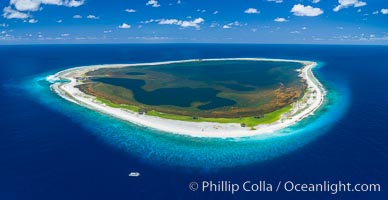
(304, 107)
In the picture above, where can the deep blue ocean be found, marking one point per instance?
(53, 149)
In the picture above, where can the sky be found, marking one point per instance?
(194, 21)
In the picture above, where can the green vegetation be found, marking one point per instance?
(248, 121)
(113, 105)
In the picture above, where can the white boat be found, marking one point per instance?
(134, 174)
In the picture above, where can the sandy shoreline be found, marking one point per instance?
(306, 106)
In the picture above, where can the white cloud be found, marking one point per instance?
(280, 19)
(301, 10)
(384, 11)
(35, 5)
(10, 13)
(26, 5)
(183, 23)
(231, 24)
(215, 12)
(252, 11)
(32, 21)
(214, 24)
(148, 21)
(73, 3)
(315, 1)
(92, 17)
(153, 3)
(65, 35)
(77, 16)
(124, 26)
(59, 21)
(3, 25)
(130, 10)
(348, 3)
(276, 1)
(193, 23)
(375, 12)
(235, 23)
(168, 21)
(198, 20)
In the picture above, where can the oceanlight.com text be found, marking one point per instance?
(282, 186)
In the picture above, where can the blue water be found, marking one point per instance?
(52, 149)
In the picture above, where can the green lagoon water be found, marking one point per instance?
(203, 85)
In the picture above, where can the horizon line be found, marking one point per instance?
(198, 43)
